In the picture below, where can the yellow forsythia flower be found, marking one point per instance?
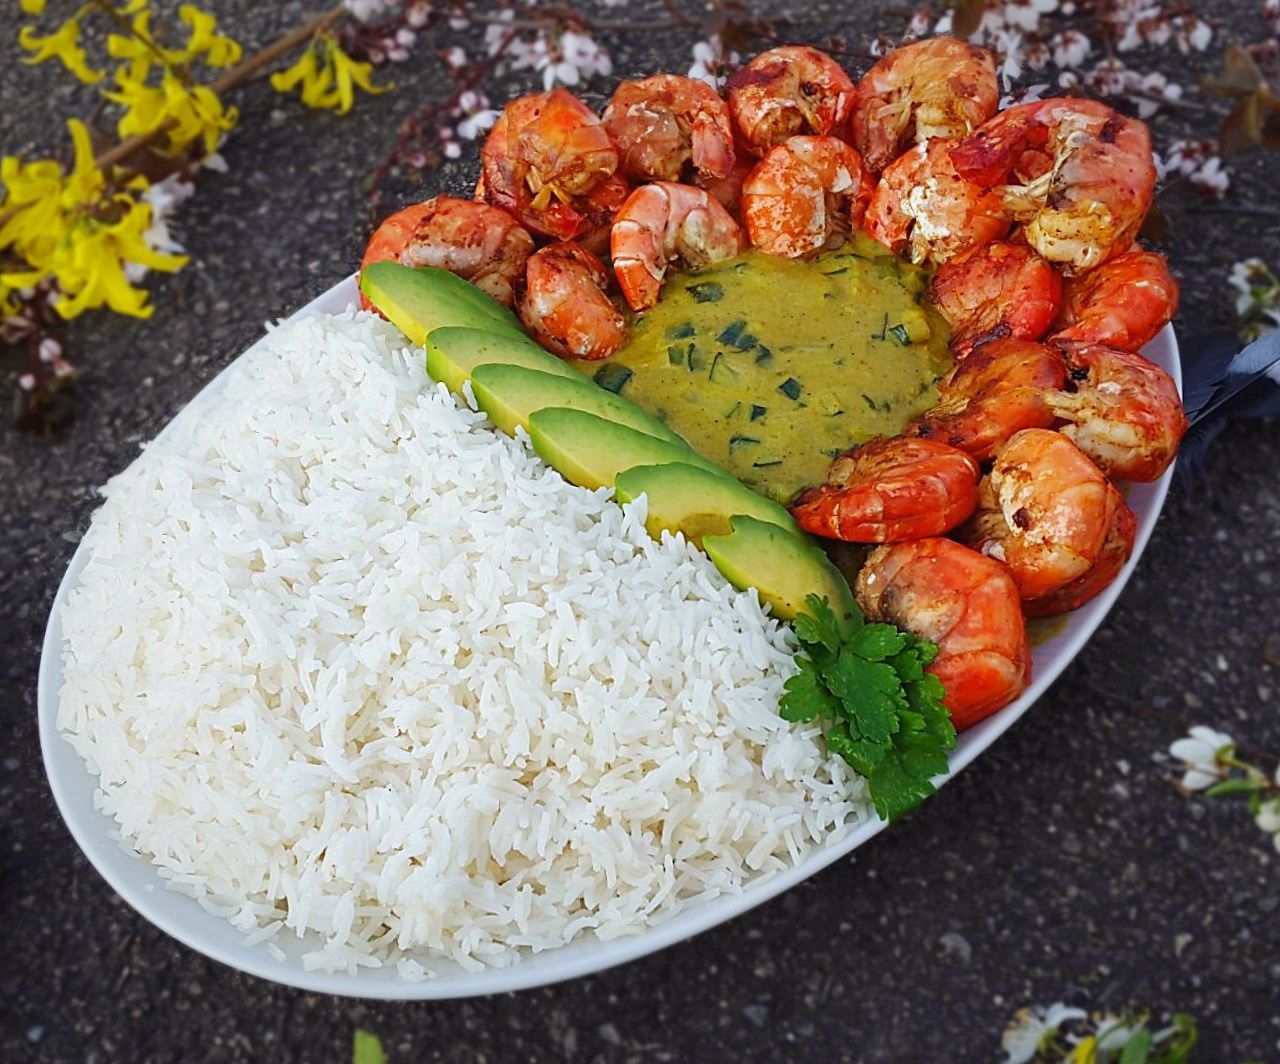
(327, 75)
(32, 7)
(67, 227)
(92, 272)
(197, 113)
(142, 50)
(62, 44)
(217, 50)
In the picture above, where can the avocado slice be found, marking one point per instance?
(455, 351)
(590, 451)
(509, 394)
(419, 299)
(783, 568)
(697, 502)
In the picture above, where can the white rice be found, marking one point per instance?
(348, 661)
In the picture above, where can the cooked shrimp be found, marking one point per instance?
(1078, 175)
(891, 489)
(994, 290)
(545, 152)
(785, 91)
(662, 222)
(1044, 510)
(965, 603)
(923, 207)
(727, 190)
(1116, 550)
(937, 87)
(1123, 303)
(598, 208)
(482, 244)
(565, 304)
(667, 126)
(1004, 386)
(1121, 409)
(807, 194)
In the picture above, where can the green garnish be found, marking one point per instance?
(612, 377)
(680, 332)
(757, 411)
(790, 388)
(899, 333)
(882, 712)
(730, 333)
(707, 291)
(764, 356)
(741, 441)
(676, 355)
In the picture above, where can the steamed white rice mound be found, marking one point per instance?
(346, 660)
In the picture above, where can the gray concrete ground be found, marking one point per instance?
(1061, 866)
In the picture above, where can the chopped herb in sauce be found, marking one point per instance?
(707, 291)
(763, 356)
(790, 388)
(613, 377)
(899, 333)
(758, 411)
(742, 441)
(680, 332)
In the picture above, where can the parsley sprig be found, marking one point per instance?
(882, 712)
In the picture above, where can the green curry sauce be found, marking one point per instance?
(770, 367)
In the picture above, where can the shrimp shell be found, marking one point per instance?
(1044, 510)
(889, 490)
(1122, 410)
(996, 290)
(565, 304)
(805, 195)
(1123, 303)
(1116, 550)
(662, 222)
(785, 91)
(479, 243)
(1077, 174)
(936, 87)
(923, 208)
(667, 125)
(965, 603)
(1004, 386)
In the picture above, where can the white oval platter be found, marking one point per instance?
(137, 881)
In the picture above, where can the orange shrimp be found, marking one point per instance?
(937, 87)
(1044, 510)
(727, 190)
(785, 91)
(1078, 175)
(1116, 550)
(1004, 386)
(923, 207)
(1121, 409)
(1123, 303)
(545, 152)
(598, 208)
(889, 490)
(994, 290)
(965, 603)
(565, 305)
(482, 244)
(805, 195)
(667, 126)
(663, 222)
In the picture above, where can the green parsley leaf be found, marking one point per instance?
(806, 698)
(883, 712)
(878, 641)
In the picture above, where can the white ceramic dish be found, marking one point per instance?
(138, 883)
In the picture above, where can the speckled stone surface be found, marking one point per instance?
(1060, 867)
